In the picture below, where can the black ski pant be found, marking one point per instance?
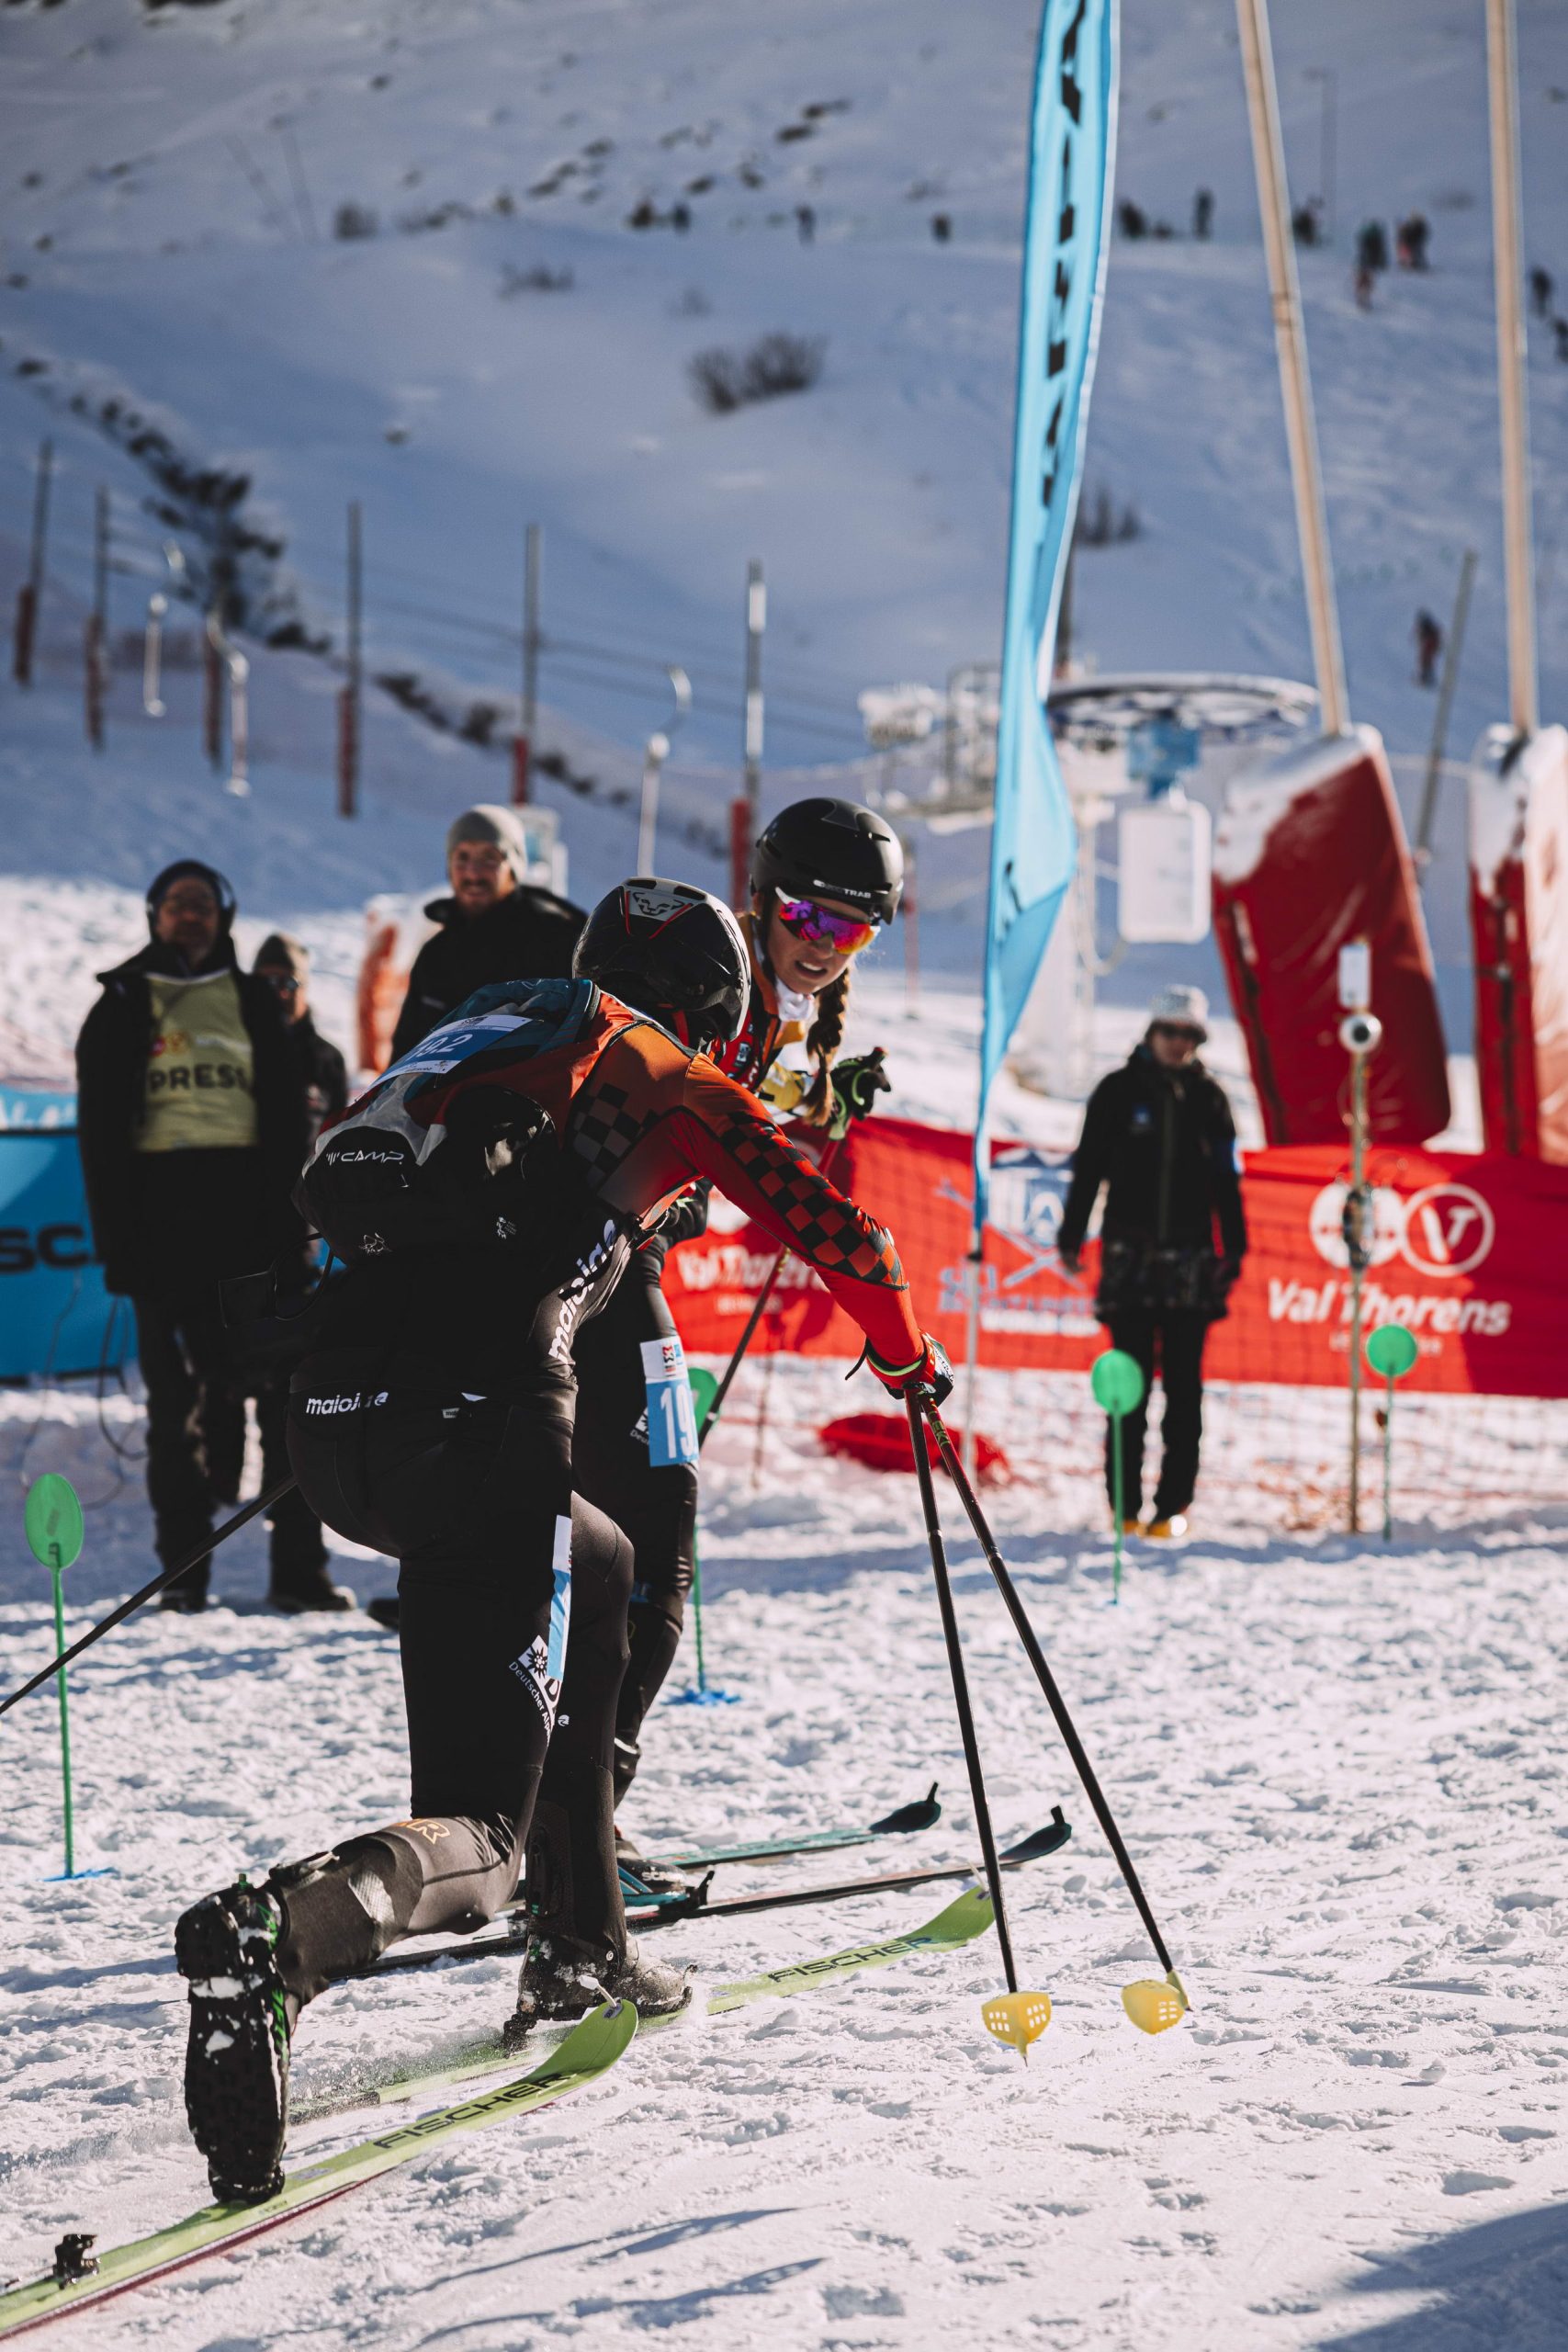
(1173, 1338)
(514, 1613)
(196, 1439)
(657, 1508)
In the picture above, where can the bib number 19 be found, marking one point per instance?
(672, 1423)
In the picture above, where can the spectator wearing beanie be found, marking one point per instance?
(285, 964)
(1159, 1134)
(192, 1129)
(495, 925)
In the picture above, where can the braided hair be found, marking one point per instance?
(823, 1039)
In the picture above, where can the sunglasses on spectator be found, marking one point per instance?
(477, 861)
(1178, 1029)
(281, 983)
(821, 926)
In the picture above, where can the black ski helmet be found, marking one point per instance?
(668, 949)
(832, 849)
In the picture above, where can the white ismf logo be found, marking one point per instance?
(1448, 1229)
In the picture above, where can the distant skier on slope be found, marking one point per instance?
(486, 1196)
(1158, 1133)
(826, 879)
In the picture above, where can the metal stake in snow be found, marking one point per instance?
(655, 753)
(30, 594)
(1360, 1034)
(238, 671)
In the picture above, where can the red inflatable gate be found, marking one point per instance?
(1309, 854)
(1519, 911)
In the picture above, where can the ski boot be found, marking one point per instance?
(309, 1593)
(651, 1877)
(237, 2056)
(562, 1977)
(1166, 1530)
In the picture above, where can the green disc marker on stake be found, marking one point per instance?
(52, 1517)
(1391, 1351)
(1117, 1380)
(705, 1389)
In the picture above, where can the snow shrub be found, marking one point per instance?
(724, 381)
(352, 220)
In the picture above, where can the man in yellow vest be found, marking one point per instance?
(192, 1123)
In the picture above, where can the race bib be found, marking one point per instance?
(672, 1423)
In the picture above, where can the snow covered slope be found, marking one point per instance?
(169, 184)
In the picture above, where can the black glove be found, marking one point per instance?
(856, 1084)
(688, 1216)
(1226, 1274)
(1071, 1256)
(929, 1370)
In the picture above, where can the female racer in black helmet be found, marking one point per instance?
(826, 877)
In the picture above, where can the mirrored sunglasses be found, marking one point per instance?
(822, 926)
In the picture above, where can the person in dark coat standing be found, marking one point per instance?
(285, 964)
(192, 1129)
(1159, 1134)
(300, 1577)
(495, 926)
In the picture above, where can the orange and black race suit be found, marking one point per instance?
(400, 1186)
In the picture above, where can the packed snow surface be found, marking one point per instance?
(1336, 1763)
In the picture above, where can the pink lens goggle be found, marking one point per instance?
(822, 926)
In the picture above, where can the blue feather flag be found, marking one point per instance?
(1066, 221)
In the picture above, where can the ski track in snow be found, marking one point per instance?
(1337, 1764)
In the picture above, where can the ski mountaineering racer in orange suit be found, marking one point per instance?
(485, 1196)
(826, 879)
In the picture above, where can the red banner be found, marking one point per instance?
(1466, 1252)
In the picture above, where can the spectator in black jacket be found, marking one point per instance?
(285, 964)
(495, 926)
(192, 1129)
(1158, 1133)
(300, 1554)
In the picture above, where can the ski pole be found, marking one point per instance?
(1047, 1682)
(996, 2015)
(759, 1305)
(165, 1575)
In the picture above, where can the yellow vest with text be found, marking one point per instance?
(200, 1092)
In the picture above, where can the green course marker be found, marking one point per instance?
(705, 1389)
(1117, 1380)
(1391, 1351)
(52, 1517)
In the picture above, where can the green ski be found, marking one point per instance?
(589, 2052)
(961, 1921)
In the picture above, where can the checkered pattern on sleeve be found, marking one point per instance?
(604, 1128)
(830, 1232)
